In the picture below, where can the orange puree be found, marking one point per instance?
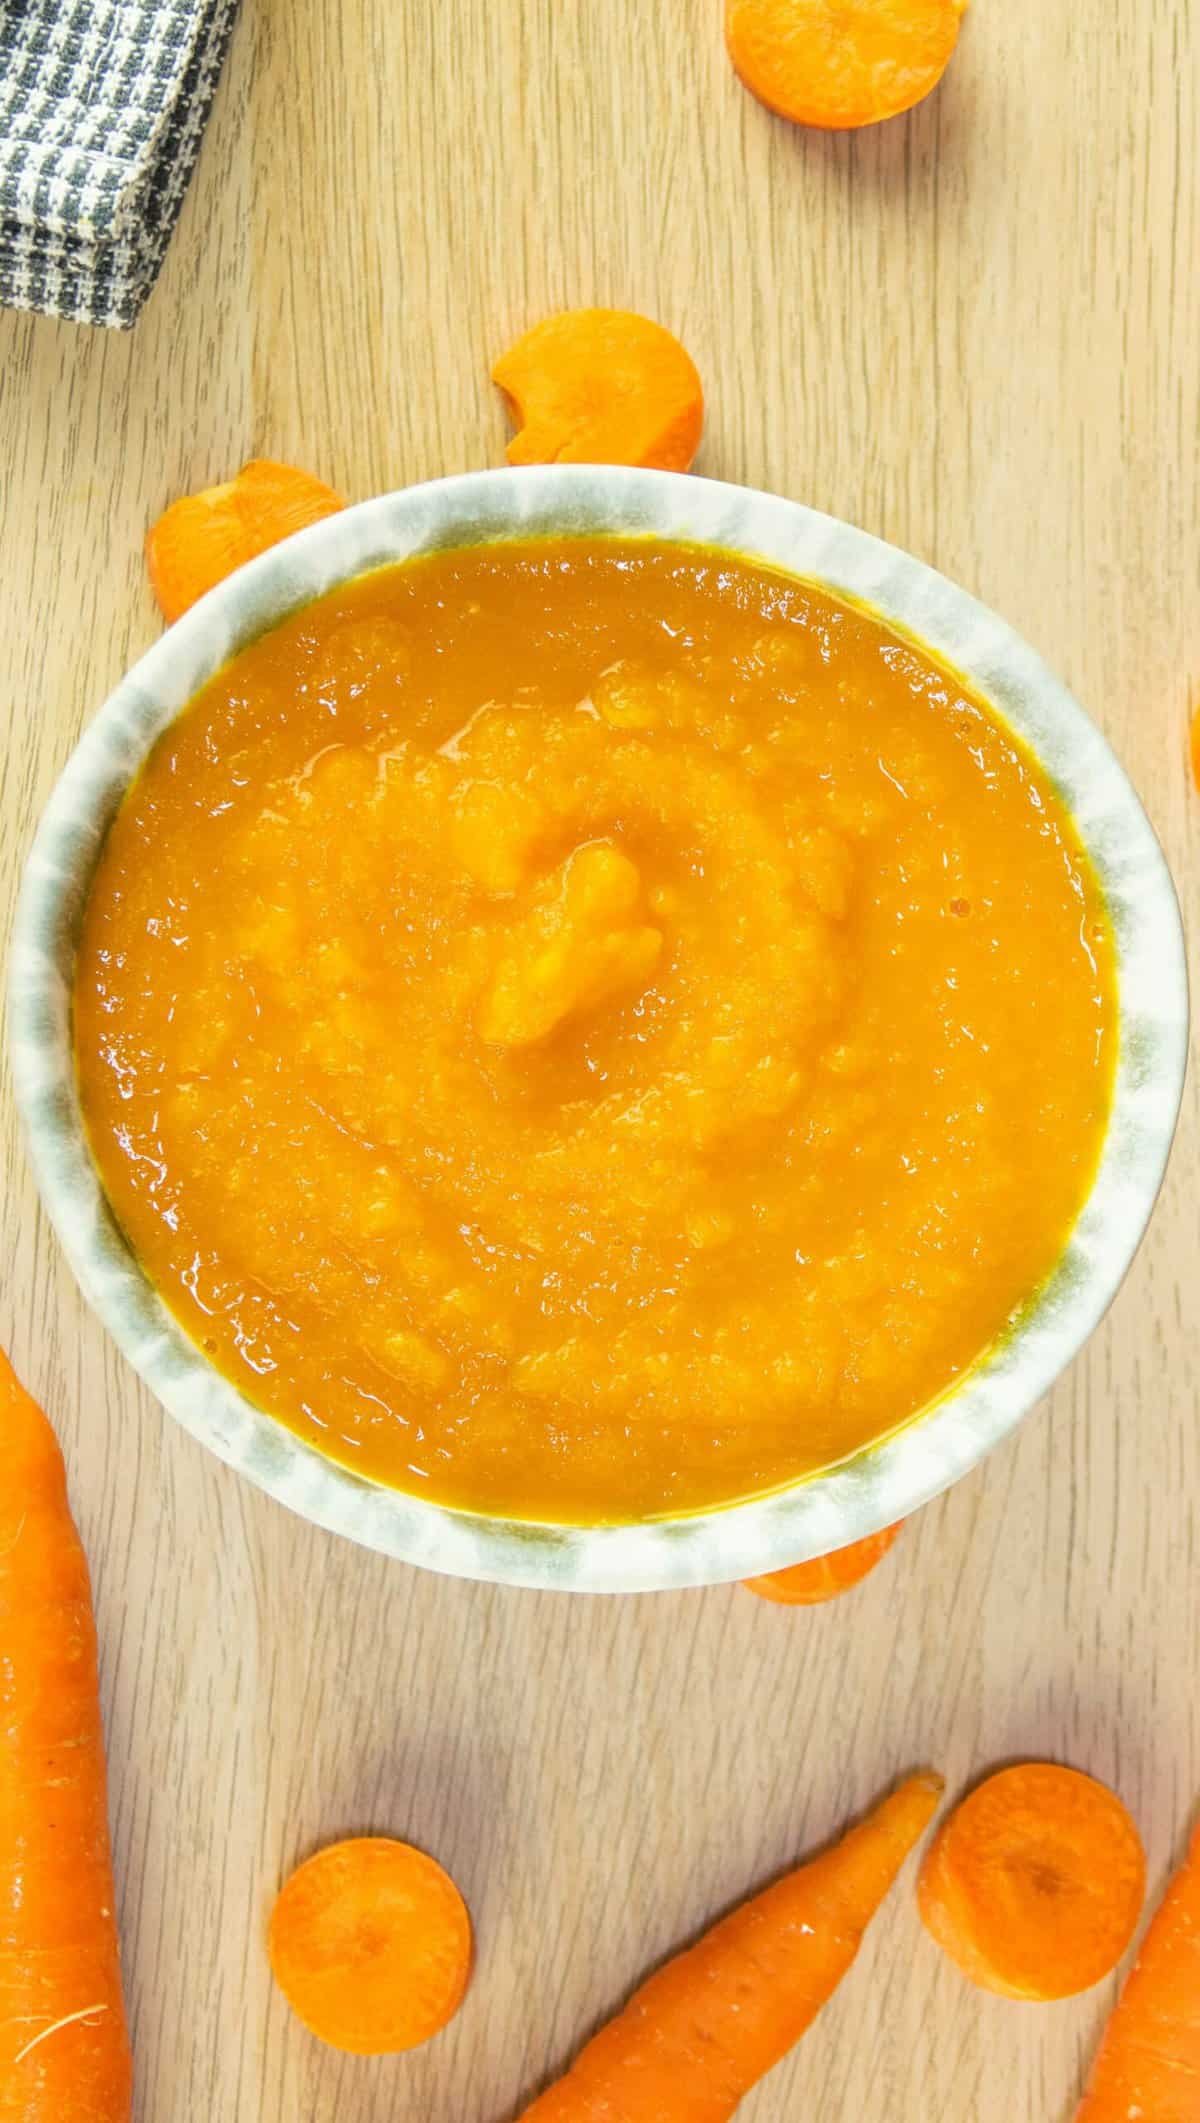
(593, 1028)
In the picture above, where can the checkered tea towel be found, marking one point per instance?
(102, 108)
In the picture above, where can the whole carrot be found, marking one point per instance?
(64, 2049)
(704, 2029)
(1149, 2061)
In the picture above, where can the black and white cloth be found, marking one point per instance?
(103, 105)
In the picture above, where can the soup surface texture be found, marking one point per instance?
(594, 1028)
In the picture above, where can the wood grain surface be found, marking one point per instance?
(975, 331)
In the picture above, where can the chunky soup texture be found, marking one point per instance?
(587, 1029)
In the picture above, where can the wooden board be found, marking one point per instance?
(976, 331)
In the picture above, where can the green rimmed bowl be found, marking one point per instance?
(882, 1484)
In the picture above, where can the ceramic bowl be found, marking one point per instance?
(883, 1483)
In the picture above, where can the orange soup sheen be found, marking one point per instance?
(593, 1028)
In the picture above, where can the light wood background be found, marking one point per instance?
(975, 331)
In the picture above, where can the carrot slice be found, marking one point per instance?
(370, 1943)
(64, 2048)
(1035, 1884)
(1149, 2061)
(203, 538)
(841, 63)
(826, 1577)
(703, 2030)
(602, 387)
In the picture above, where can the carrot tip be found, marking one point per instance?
(706, 2027)
(930, 1780)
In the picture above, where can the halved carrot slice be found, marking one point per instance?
(602, 387)
(841, 63)
(370, 1943)
(826, 1577)
(1035, 1884)
(201, 539)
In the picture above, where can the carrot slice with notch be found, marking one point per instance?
(370, 1943)
(201, 539)
(602, 387)
(826, 1577)
(1035, 1884)
(841, 63)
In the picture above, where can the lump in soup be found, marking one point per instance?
(594, 1028)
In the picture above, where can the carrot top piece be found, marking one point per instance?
(826, 1577)
(841, 63)
(203, 538)
(370, 1943)
(704, 2029)
(64, 2049)
(1035, 1884)
(602, 387)
(1149, 2060)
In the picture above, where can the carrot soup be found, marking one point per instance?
(591, 1028)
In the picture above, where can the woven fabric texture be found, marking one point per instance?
(103, 105)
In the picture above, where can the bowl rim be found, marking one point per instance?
(887, 1480)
